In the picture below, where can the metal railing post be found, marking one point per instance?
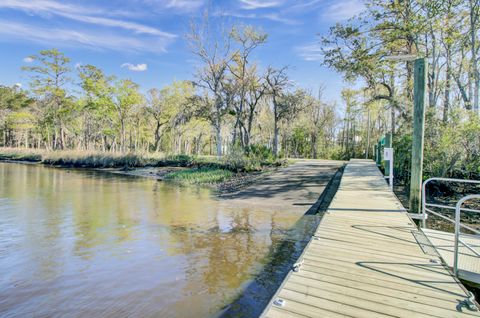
(424, 199)
(458, 209)
(457, 237)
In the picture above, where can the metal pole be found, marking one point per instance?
(424, 204)
(457, 237)
(419, 95)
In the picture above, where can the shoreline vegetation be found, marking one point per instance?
(224, 175)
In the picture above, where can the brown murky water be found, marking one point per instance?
(92, 244)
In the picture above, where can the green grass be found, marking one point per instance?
(205, 175)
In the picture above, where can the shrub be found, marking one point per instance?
(203, 175)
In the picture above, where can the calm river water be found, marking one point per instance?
(82, 243)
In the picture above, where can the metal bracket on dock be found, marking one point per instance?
(279, 302)
(418, 216)
(297, 265)
(470, 302)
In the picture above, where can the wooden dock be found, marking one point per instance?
(367, 259)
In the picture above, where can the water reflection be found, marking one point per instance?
(86, 243)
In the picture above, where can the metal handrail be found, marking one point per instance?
(457, 230)
(424, 198)
(458, 209)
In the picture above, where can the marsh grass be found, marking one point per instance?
(81, 159)
(204, 175)
(99, 159)
(19, 154)
(235, 162)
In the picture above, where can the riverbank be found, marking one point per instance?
(224, 175)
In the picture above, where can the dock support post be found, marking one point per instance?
(419, 95)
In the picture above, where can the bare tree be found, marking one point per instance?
(212, 47)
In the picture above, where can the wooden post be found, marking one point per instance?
(419, 95)
(367, 150)
(379, 153)
(388, 144)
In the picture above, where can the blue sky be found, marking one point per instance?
(145, 39)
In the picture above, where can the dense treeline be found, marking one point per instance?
(231, 107)
(234, 107)
(364, 48)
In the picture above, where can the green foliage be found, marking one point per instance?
(256, 159)
(205, 175)
(451, 150)
(261, 153)
(402, 156)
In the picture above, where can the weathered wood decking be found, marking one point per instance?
(365, 261)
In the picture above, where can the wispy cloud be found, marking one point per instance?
(80, 14)
(310, 52)
(135, 67)
(185, 5)
(278, 18)
(269, 16)
(28, 59)
(343, 10)
(13, 31)
(259, 4)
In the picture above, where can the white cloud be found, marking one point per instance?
(19, 85)
(343, 10)
(310, 52)
(28, 59)
(259, 4)
(135, 67)
(80, 14)
(73, 38)
(276, 17)
(78, 65)
(185, 5)
(270, 16)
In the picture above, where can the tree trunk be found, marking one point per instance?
(448, 77)
(473, 49)
(275, 129)
(218, 133)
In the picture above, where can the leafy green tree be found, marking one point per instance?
(167, 106)
(125, 97)
(97, 106)
(13, 100)
(49, 78)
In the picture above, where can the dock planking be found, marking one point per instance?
(365, 261)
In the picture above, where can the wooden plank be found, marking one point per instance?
(366, 262)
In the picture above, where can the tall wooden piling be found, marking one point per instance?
(419, 95)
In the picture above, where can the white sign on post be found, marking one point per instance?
(388, 153)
